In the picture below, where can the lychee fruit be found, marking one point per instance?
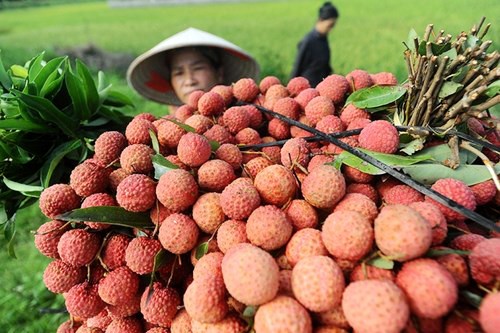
(297, 84)
(488, 313)
(113, 252)
(359, 79)
(318, 108)
(484, 261)
(177, 190)
(47, 236)
(199, 123)
(230, 233)
(169, 134)
(375, 306)
(108, 146)
(421, 278)
(193, 149)
(278, 129)
(267, 82)
(287, 107)
(204, 300)
(182, 113)
(305, 96)
(118, 286)
(402, 194)
(245, 90)
(159, 306)
(248, 136)
(457, 191)
(178, 233)
(226, 92)
(83, 301)
(251, 275)
(136, 193)
(347, 235)
(335, 87)
(194, 97)
(301, 214)
(231, 154)
(239, 199)
(215, 175)
(318, 283)
(256, 165)
(295, 152)
(88, 178)
(484, 192)
(323, 187)
(137, 159)
(282, 314)
(304, 243)
(129, 325)
(211, 104)
(235, 119)
(140, 254)
(364, 271)
(78, 247)
(384, 79)
(365, 189)
(98, 200)
(359, 203)
(59, 277)
(276, 185)
(380, 136)
(137, 131)
(402, 233)
(220, 134)
(435, 218)
(268, 227)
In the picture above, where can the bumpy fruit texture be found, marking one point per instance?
(47, 236)
(193, 149)
(485, 261)
(276, 185)
(177, 190)
(59, 277)
(323, 187)
(178, 233)
(211, 104)
(239, 199)
(457, 191)
(305, 243)
(268, 227)
(488, 313)
(335, 87)
(159, 306)
(137, 159)
(230, 233)
(245, 90)
(301, 214)
(119, 286)
(380, 136)
(318, 108)
(215, 175)
(83, 301)
(204, 300)
(359, 79)
(136, 193)
(109, 146)
(58, 199)
(375, 306)
(140, 254)
(283, 314)
(78, 247)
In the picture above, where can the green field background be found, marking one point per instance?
(368, 35)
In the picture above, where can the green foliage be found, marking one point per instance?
(376, 96)
(50, 112)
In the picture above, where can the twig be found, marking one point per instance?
(486, 105)
(487, 163)
(485, 31)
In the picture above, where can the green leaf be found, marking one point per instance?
(442, 152)
(185, 127)
(410, 40)
(449, 88)
(471, 298)
(493, 89)
(214, 145)
(5, 80)
(54, 158)
(49, 70)
(395, 161)
(35, 65)
(19, 187)
(460, 74)
(75, 89)
(19, 71)
(375, 96)
(3, 213)
(471, 41)
(443, 252)
(117, 99)
(89, 86)
(451, 53)
(436, 49)
(10, 234)
(162, 165)
(108, 215)
(24, 125)
(160, 259)
(154, 141)
(52, 85)
(249, 311)
(429, 173)
(381, 263)
(201, 250)
(49, 112)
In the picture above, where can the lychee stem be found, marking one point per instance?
(486, 161)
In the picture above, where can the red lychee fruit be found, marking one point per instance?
(335, 87)
(118, 286)
(88, 178)
(59, 277)
(211, 104)
(295, 152)
(78, 247)
(232, 323)
(235, 119)
(457, 191)
(305, 96)
(267, 82)
(248, 136)
(375, 306)
(140, 254)
(239, 199)
(268, 227)
(287, 107)
(402, 233)
(98, 200)
(159, 306)
(230, 233)
(220, 134)
(204, 300)
(181, 322)
(305, 243)
(380, 136)
(466, 242)
(115, 178)
(484, 192)
(318, 108)
(456, 265)
(384, 79)
(194, 98)
(274, 93)
(282, 314)
(245, 90)
(137, 159)
(129, 325)
(109, 146)
(318, 283)
(182, 113)
(136, 193)
(230, 154)
(301, 214)
(193, 149)
(488, 313)
(113, 252)
(276, 185)
(297, 84)
(359, 79)
(251, 275)
(178, 233)
(177, 190)
(226, 93)
(47, 236)
(359, 203)
(323, 187)
(215, 175)
(207, 212)
(199, 123)
(402, 194)
(255, 165)
(278, 129)
(317, 160)
(484, 261)
(169, 134)
(83, 301)
(365, 189)
(421, 278)
(435, 218)
(347, 235)
(137, 131)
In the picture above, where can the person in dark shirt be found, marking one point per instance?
(313, 56)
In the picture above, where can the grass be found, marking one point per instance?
(368, 35)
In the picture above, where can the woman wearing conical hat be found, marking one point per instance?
(187, 61)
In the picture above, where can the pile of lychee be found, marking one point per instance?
(272, 239)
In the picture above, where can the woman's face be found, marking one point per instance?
(191, 71)
(325, 26)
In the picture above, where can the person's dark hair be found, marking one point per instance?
(328, 11)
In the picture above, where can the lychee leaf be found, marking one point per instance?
(493, 89)
(410, 40)
(249, 311)
(55, 158)
(214, 145)
(185, 127)
(154, 141)
(442, 152)
(429, 173)
(471, 298)
(443, 252)
(382, 263)
(375, 96)
(201, 250)
(449, 88)
(23, 188)
(160, 259)
(109, 215)
(162, 165)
